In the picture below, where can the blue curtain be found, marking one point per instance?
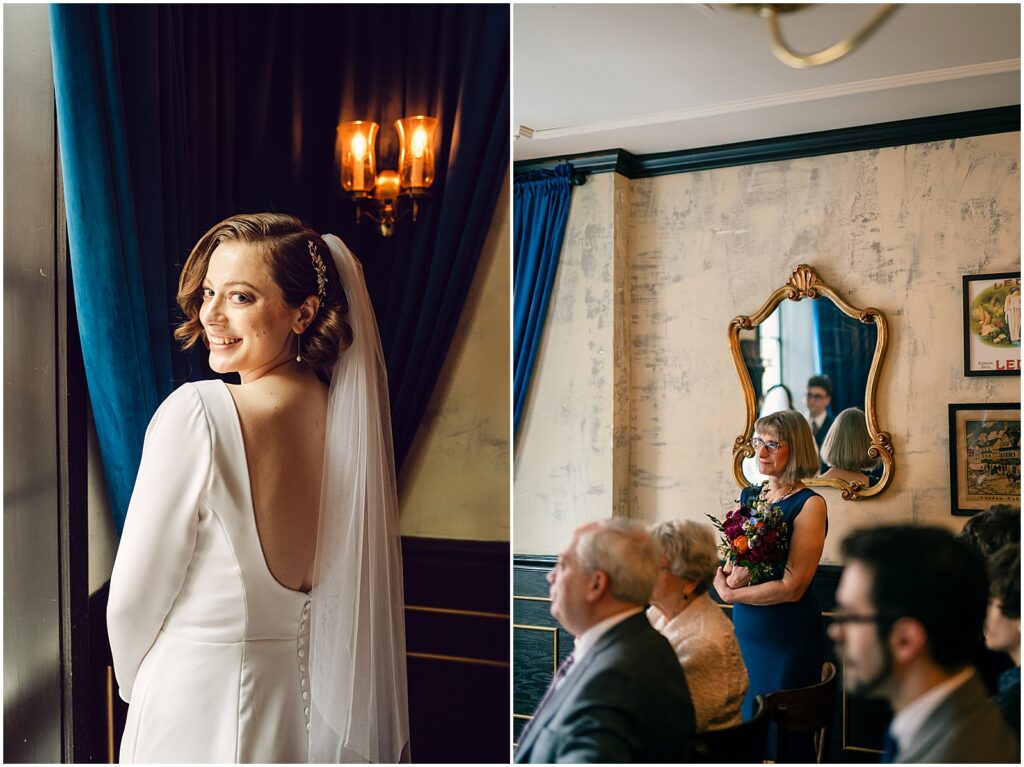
(845, 349)
(540, 211)
(120, 297)
(172, 117)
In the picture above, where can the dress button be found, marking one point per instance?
(302, 667)
(302, 653)
(302, 682)
(306, 712)
(305, 695)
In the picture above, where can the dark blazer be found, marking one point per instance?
(626, 701)
(825, 426)
(966, 727)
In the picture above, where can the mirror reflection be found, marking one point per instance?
(810, 357)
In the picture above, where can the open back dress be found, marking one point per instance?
(210, 650)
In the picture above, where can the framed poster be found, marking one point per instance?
(984, 456)
(992, 324)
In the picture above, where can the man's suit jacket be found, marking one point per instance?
(625, 701)
(966, 727)
(825, 426)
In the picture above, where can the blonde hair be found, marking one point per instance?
(847, 442)
(690, 548)
(792, 428)
(625, 552)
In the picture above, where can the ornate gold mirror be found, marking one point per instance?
(787, 342)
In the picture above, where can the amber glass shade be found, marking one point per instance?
(355, 147)
(416, 159)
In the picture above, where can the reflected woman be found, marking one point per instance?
(845, 450)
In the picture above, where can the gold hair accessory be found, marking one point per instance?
(321, 271)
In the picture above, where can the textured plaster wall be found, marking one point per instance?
(892, 228)
(455, 481)
(563, 466)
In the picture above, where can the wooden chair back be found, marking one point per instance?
(806, 710)
(743, 743)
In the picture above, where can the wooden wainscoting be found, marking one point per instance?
(457, 637)
(539, 644)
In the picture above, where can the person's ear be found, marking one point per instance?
(907, 640)
(597, 586)
(306, 312)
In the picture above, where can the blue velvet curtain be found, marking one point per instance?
(845, 349)
(540, 211)
(120, 297)
(174, 117)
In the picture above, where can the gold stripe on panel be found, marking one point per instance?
(458, 659)
(531, 599)
(453, 611)
(110, 715)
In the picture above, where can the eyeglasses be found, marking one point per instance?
(815, 395)
(771, 444)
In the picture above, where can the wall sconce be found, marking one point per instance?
(378, 196)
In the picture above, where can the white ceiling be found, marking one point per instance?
(657, 78)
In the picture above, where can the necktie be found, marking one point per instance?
(555, 680)
(888, 748)
(815, 428)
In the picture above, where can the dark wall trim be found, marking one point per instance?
(859, 138)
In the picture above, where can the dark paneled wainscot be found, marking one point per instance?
(539, 644)
(457, 628)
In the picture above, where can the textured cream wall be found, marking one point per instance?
(892, 228)
(563, 453)
(455, 481)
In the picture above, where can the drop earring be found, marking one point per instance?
(298, 347)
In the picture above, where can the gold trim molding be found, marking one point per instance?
(803, 283)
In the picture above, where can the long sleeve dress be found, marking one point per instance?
(210, 650)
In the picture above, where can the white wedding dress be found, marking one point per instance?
(210, 650)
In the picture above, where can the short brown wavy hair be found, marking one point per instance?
(284, 244)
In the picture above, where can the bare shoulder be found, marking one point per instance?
(280, 401)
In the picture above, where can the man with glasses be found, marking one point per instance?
(910, 605)
(819, 396)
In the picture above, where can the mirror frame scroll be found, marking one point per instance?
(805, 283)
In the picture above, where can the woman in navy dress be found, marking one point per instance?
(778, 622)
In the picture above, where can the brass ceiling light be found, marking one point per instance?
(785, 54)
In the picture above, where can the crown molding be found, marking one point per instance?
(858, 138)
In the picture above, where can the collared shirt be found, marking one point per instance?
(586, 640)
(907, 722)
(816, 422)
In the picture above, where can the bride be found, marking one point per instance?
(256, 609)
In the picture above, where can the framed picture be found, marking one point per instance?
(984, 456)
(992, 324)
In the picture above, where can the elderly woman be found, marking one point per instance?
(845, 449)
(699, 632)
(778, 622)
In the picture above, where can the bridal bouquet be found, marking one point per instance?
(753, 536)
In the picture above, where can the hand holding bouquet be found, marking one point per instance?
(753, 536)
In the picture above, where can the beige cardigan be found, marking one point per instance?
(705, 643)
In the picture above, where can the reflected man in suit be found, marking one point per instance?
(819, 397)
(621, 696)
(910, 604)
